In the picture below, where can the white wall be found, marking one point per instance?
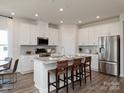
(68, 36)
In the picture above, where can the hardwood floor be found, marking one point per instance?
(100, 84)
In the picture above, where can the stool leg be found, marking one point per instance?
(57, 83)
(72, 79)
(67, 80)
(90, 71)
(82, 71)
(85, 73)
(80, 75)
(48, 82)
(64, 79)
(76, 75)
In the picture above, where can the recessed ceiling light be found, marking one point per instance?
(12, 13)
(61, 21)
(97, 17)
(36, 14)
(79, 21)
(61, 9)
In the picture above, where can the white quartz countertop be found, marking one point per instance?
(48, 60)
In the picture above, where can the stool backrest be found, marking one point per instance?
(77, 63)
(62, 67)
(88, 60)
(15, 65)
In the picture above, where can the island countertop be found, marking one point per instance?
(49, 60)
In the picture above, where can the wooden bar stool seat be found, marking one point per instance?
(61, 69)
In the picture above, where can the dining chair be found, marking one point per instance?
(11, 72)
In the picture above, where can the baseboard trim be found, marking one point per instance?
(26, 72)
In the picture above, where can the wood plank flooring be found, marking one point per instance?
(100, 84)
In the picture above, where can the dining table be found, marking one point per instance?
(3, 63)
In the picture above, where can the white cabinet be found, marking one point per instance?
(114, 28)
(89, 35)
(26, 63)
(86, 36)
(94, 61)
(42, 28)
(33, 35)
(24, 34)
(83, 36)
(28, 34)
(53, 36)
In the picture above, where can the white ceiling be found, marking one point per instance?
(74, 10)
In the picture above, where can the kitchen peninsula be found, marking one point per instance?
(41, 67)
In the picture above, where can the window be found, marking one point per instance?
(3, 44)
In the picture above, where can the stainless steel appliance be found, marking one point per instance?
(109, 55)
(42, 41)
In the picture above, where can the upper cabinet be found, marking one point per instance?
(86, 36)
(33, 34)
(53, 36)
(29, 32)
(89, 35)
(43, 30)
(83, 36)
(24, 34)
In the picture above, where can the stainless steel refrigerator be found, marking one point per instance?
(109, 55)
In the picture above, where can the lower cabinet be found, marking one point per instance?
(26, 63)
(94, 61)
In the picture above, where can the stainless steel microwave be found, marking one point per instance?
(42, 41)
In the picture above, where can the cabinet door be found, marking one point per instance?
(97, 34)
(114, 28)
(94, 62)
(42, 29)
(33, 34)
(53, 36)
(24, 34)
(83, 36)
(104, 31)
(26, 64)
(91, 36)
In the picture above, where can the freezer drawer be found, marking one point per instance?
(108, 68)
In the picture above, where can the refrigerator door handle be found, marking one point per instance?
(100, 50)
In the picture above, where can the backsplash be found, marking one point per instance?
(25, 49)
(88, 49)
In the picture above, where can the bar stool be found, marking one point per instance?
(75, 71)
(87, 68)
(62, 69)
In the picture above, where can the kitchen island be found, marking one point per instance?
(41, 67)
